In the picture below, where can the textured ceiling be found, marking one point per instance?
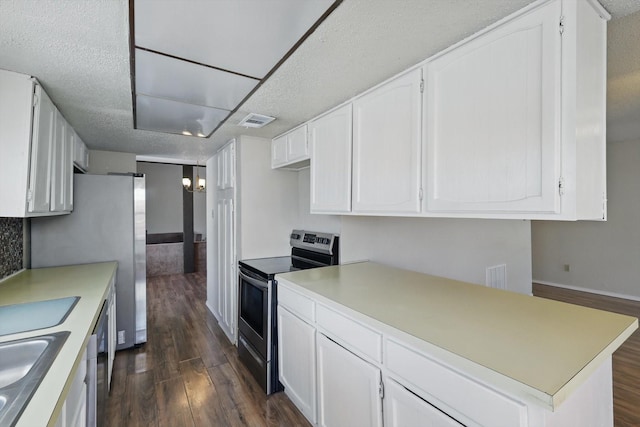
(79, 50)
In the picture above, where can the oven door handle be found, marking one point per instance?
(255, 282)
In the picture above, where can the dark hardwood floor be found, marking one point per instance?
(626, 360)
(188, 373)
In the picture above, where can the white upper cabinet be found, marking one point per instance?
(291, 150)
(330, 146)
(386, 147)
(42, 141)
(515, 118)
(62, 167)
(80, 153)
(492, 120)
(297, 147)
(279, 151)
(36, 157)
(509, 123)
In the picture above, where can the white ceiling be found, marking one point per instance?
(79, 50)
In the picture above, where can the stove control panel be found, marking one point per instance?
(322, 242)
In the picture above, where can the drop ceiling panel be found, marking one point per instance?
(245, 36)
(163, 115)
(165, 77)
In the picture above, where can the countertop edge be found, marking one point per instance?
(494, 379)
(46, 403)
(67, 385)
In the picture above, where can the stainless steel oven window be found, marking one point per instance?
(252, 302)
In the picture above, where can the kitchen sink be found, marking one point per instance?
(23, 364)
(32, 316)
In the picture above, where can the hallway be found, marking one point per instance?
(188, 373)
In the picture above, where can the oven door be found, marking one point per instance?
(254, 317)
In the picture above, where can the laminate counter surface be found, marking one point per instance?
(91, 282)
(546, 346)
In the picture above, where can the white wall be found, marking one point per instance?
(455, 248)
(268, 201)
(164, 197)
(103, 162)
(603, 256)
(459, 249)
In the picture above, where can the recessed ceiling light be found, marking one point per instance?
(200, 134)
(187, 133)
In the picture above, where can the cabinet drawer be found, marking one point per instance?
(297, 303)
(350, 333)
(470, 399)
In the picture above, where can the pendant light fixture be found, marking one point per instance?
(200, 183)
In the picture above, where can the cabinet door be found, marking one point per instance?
(348, 388)
(404, 409)
(297, 361)
(41, 152)
(80, 155)
(330, 137)
(493, 120)
(279, 151)
(226, 293)
(297, 147)
(58, 165)
(67, 172)
(386, 147)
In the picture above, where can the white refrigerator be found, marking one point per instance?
(107, 224)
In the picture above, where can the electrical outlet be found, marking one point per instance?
(567, 267)
(120, 337)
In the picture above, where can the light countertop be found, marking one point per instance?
(533, 346)
(91, 283)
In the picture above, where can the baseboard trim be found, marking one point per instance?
(591, 291)
(210, 309)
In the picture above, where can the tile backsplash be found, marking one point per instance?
(11, 246)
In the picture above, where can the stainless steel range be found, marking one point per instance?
(258, 337)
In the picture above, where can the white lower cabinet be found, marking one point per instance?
(349, 388)
(357, 371)
(112, 332)
(74, 408)
(297, 361)
(402, 408)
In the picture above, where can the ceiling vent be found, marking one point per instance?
(254, 120)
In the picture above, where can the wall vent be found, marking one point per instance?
(497, 276)
(254, 120)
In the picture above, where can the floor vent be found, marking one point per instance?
(497, 276)
(254, 120)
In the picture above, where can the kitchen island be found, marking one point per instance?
(481, 355)
(92, 283)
